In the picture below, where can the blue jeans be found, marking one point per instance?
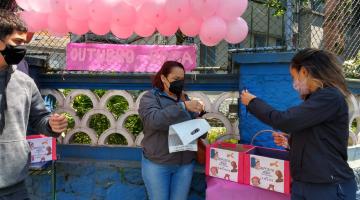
(167, 182)
(311, 191)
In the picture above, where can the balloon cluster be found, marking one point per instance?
(211, 20)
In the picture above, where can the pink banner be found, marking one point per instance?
(127, 58)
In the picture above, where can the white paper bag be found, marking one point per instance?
(183, 136)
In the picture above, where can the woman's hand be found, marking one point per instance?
(194, 106)
(280, 139)
(246, 97)
(183, 96)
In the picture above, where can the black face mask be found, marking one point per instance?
(13, 54)
(176, 87)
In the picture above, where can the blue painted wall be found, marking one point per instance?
(100, 173)
(266, 76)
(94, 180)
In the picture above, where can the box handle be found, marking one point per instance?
(260, 133)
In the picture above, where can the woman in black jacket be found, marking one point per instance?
(318, 127)
(167, 176)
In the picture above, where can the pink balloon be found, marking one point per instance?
(152, 12)
(34, 21)
(100, 11)
(123, 14)
(177, 10)
(57, 6)
(78, 27)
(136, 3)
(237, 31)
(112, 3)
(204, 8)
(213, 30)
(42, 6)
(24, 4)
(231, 9)
(168, 28)
(77, 9)
(143, 29)
(122, 32)
(99, 28)
(57, 24)
(191, 26)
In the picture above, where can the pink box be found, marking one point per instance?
(226, 161)
(42, 148)
(268, 169)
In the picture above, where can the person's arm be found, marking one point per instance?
(39, 115)
(320, 107)
(155, 117)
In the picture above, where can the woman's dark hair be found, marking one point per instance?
(323, 66)
(165, 70)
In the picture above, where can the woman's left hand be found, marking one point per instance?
(246, 97)
(183, 96)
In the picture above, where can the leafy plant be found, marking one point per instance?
(279, 6)
(352, 67)
(215, 132)
(117, 105)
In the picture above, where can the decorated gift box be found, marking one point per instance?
(268, 169)
(226, 161)
(42, 148)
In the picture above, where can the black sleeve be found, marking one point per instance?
(320, 107)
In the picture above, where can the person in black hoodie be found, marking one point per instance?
(318, 127)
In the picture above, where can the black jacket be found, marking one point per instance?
(157, 112)
(319, 132)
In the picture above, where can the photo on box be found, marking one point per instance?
(225, 161)
(268, 169)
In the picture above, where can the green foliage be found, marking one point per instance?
(352, 67)
(81, 138)
(215, 132)
(117, 105)
(116, 139)
(82, 104)
(71, 121)
(279, 6)
(65, 91)
(99, 123)
(134, 125)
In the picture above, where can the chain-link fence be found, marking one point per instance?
(274, 25)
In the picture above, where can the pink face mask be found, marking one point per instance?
(301, 87)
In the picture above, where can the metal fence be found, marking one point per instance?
(274, 25)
